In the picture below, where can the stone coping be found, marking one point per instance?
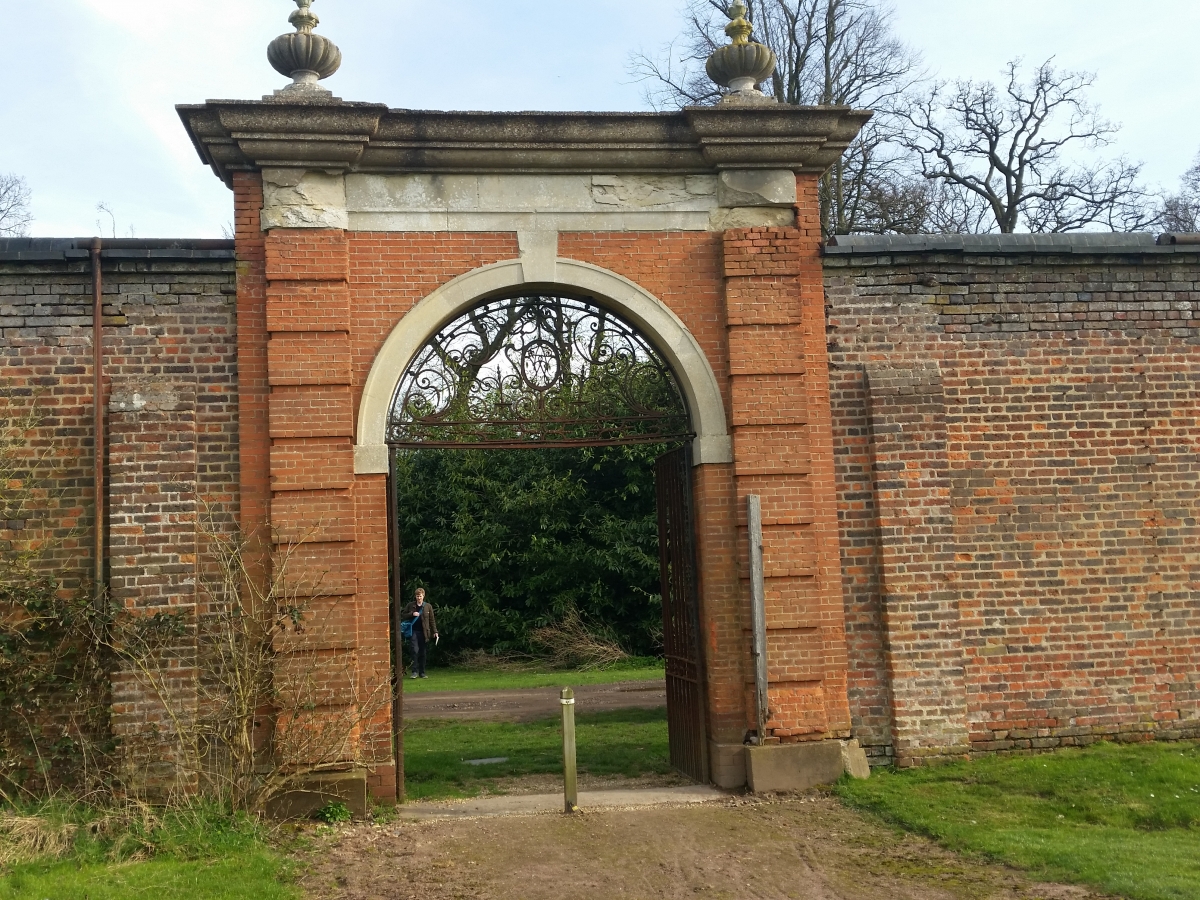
(1090, 243)
(72, 249)
(338, 137)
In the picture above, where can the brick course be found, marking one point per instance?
(1029, 505)
(782, 440)
(979, 472)
(171, 416)
(167, 322)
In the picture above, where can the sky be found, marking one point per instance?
(88, 117)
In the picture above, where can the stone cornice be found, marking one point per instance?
(335, 137)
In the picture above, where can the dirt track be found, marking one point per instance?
(807, 848)
(530, 704)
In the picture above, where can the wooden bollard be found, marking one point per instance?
(570, 784)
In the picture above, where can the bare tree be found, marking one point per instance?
(15, 216)
(831, 52)
(1181, 211)
(1007, 151)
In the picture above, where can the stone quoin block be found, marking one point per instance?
(303, 307)
(314, 358)
(307, 255)
(312, 464)
(311, 412)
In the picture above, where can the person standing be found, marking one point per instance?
(424, 629)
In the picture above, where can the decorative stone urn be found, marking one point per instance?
(304, 57)
(743, 63)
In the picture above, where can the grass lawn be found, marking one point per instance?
(1121, 817)
(195, 856)
(241, 875)
(628, 742)
(452, 679)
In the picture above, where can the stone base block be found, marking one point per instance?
(793, 767)
(728, 762)
(315, 791)
(854, 760)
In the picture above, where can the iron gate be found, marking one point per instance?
(681, 614)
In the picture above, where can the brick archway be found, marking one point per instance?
(697, 398)
(653, 318)
(363, 230)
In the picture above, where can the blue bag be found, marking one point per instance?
(406, 628)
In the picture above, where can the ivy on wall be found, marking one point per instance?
(53, 679)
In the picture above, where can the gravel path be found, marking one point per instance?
(530, 704)
(799, 848)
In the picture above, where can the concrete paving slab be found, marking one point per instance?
(533, 804)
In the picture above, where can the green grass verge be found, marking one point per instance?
(234, 877)
(629, 742)
(1121, 817)
(452, 679)
(197, 854)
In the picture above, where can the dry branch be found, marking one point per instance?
(571, 644)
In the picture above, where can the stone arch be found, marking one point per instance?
(642, 309)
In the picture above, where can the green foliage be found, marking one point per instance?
(333, 813)
(260, 874)
(507, 541)
(629, 742)
(1123, 817)
(53, 678)
(195, 830)
(52, 686)
(197, 852)
(384, 813)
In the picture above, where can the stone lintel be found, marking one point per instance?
(415, 202)
(756, 187)
(363, 137)
(300, 198)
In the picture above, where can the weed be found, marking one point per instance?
(333, 813)
(27, 838)
(384, 813)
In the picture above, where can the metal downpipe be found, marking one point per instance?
(98, 418)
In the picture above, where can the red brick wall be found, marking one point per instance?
(1017, 480)
(154, 537)
(253, 387)
(784, 453)
(171, 374)
(167, 321)
(1008, 443)
(1012, 441)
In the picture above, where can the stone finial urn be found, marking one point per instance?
(304, 57)
(743, 63)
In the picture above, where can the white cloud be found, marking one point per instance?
(89, 114)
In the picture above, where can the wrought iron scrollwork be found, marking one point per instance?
(546, 370)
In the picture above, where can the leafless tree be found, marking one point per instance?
(1007, 151)
(1181, 211)
(831, 52)
(15, 216)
